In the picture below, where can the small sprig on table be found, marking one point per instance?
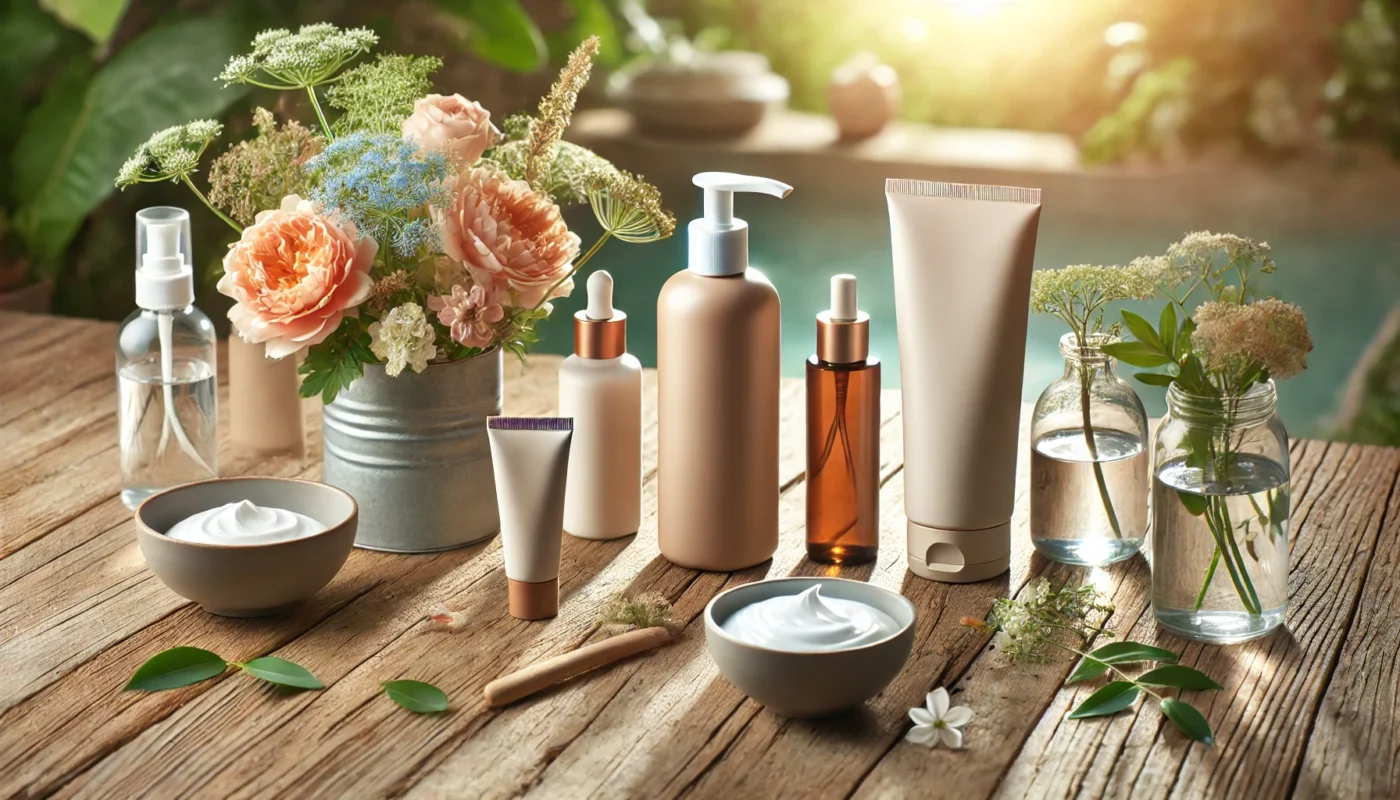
(1043, 620)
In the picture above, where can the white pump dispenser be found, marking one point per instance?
(719, 242)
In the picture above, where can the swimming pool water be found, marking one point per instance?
(1345, 282)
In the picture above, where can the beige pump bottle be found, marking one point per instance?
(718, 338)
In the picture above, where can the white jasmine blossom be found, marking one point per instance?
(403, 338)
(937, 723)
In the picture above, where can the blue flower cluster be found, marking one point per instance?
(381, 182)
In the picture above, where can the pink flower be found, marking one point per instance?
(294, 274)
(508, 237)
(454, 126)
(471, 315)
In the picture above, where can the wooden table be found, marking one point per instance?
(1311, 711)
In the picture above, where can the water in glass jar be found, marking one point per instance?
(1076, 499)
(169, 431)
(1220, 550)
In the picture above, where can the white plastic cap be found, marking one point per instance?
(843, 298)
(719, 242)
(164, 270)
(600, 295)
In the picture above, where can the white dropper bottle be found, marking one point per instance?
(166, 366)
(600, 386)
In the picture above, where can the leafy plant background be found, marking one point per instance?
(84, 82)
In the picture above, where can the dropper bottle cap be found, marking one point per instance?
(600, 331)
(843, 331)
(164, 271)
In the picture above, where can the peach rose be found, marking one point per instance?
(294, 274)
(470, 314)
(454, 126)
(508, 237)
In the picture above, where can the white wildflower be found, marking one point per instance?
(403, 338)
(936, 723)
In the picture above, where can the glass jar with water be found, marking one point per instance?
(1089, 484)
(166, 367)
(1220, 516)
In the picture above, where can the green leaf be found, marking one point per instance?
(1183, 337)
(176, 667)
(1139, 354)
(96, 18)
(1195, 504)
(1142, 329)
(1179, 676)
(500, 32)
(281, 672)
(1188, 720)
(416, 696)
(1088, 669)
(1154, 378)
(337, 362)
(1111, 699)
(1133, 653)
(78, 137)
(1166, 324)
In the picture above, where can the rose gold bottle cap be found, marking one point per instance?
(843, 332)
(533, 600)
(600, 331)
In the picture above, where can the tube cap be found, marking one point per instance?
(953, 556)
(600, 331)
(164, 275)
(533, 600)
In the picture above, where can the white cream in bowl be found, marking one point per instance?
(809, 623)
(244, 523)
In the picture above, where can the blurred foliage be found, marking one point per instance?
(1365, 91)
(1377, 419)
(83, 82)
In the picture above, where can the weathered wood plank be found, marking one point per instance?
(1353, 749)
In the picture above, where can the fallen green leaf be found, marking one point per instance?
(176, 667)
(281, 672)
(1133, 653)
(1088, 669)
(1178, 676)
(1188, 720)
(416, 696)
(1111, 699)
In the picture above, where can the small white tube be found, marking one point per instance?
(530, 458)
(962, 274)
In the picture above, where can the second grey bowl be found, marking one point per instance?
(806, 684)
(248, 580)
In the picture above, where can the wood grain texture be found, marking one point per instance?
(1311, 711)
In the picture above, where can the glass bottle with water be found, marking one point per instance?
(1089, 486)
(166, 366)
(1220, 505)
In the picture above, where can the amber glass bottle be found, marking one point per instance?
(843, 435)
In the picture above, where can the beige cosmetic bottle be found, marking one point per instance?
(718, 337)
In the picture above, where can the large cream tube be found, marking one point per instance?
(962, 273)
(530, 457)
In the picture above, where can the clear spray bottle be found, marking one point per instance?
(166, 366)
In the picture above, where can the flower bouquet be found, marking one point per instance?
(402, 234)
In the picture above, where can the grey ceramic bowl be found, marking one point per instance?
(809, 684)
(248, 580)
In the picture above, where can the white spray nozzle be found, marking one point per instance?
(600, 295)
(843, 298)
(719, 242)
(164, 275)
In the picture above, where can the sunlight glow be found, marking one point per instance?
(975, 8)
(915, 29)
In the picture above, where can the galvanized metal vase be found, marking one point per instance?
(413, 452)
